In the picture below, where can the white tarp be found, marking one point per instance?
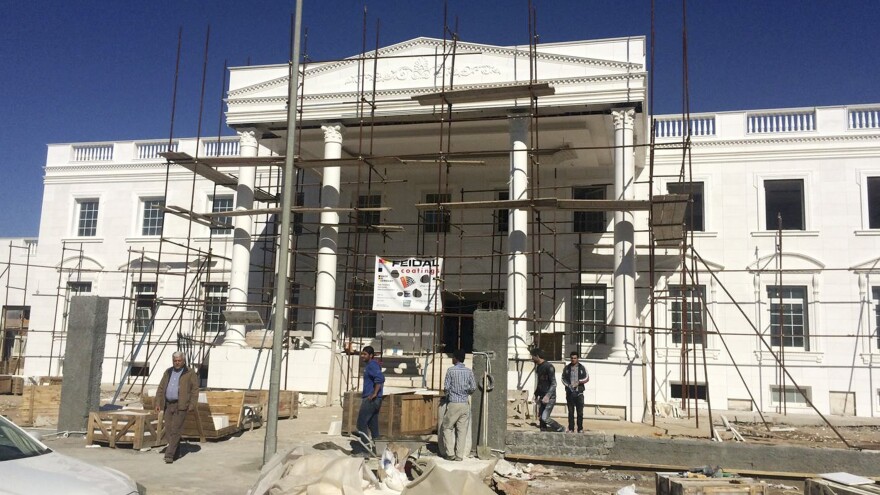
(409, 285)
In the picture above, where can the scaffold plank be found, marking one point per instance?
(485, 94)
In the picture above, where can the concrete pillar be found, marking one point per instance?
(83, 357)
(517, 240)
(624, 233)
(241, 244)
(489, 419)
(325, 285)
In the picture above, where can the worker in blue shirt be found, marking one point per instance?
(371, 399)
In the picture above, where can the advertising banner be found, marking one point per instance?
(407, 285)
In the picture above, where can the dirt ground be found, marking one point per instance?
(232, 466)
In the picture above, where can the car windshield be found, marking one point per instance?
(16, 444)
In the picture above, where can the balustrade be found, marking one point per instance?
(762, 123)
(697, 126)
(221, 148)
(150, 151)
(93, 153)
(864, 118)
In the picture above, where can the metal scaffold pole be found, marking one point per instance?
(279, 325)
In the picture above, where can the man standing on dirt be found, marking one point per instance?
(178, 393)
(574, 377)
(459, 385)
(545, 391)
(371, 400)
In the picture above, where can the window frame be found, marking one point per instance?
(772, 303)
(437, 221)
(875, 296)
(363, 321)
(761, 217)
(78, 216)
(581, 326)
(581, 221)
(692, 202)
(674, 292)
(501, 220)
(144, 306)
(366, 220)
(213, 322)
(775, 395)
(149, 230)
(866, 178)
(213, 202)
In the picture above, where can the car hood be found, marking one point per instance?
(57, 473)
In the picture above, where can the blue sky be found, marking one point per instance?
(103, 70)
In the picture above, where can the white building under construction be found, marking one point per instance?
(727, 260)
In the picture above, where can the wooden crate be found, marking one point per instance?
(10, 384)
(675, 484)
(39, 402)
(199, 423)
(137, 428)
(401, 415)
(288, 402)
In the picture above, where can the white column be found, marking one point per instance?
(325, 285)
(517, 240)
(624, 233)
(241, 244)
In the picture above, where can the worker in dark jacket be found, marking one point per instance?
(545, 391)
(574, 377)
(178, 393)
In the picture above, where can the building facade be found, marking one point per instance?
(530, 173)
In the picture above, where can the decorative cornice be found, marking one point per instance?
(701, 142)
(416, 91)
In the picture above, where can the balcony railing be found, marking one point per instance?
(864, 118)
(800, 121)
(93, 153)
(698, 126)
(221, 148)
(150, 151)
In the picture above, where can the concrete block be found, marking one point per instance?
(490, 336)
(83, 358)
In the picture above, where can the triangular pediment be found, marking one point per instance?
(144, 264)
(870, 266)
(790, 262)
(417, 65)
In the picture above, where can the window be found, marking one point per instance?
(875, 292)
(791, 395)
(592, 222)
(299, 200)
(791, 311)
(363, 318)
(502, 217)
(367, 219)
(873, 202)
(221, 204)
(784, 198)
(144, 306)
(154, 216)
(79, 288)
(694, 391)
(437, 220)
(87, 215)
(589, 306)
(214, 306)
(292, 306)
(690, 321)
(695, 212)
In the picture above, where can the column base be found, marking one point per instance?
(620, 353)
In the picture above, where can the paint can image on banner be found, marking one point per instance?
(408, 285)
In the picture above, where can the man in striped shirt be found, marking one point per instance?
(459, 385)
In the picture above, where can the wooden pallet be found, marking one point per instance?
(200, 424)
(124, 427)
(39, 401)
(675, 484)
(817, 486)
(288, 402)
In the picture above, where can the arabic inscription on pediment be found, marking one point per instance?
(422, 69)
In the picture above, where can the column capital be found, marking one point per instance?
(333, 132)
(247, 137)
(623, 118)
